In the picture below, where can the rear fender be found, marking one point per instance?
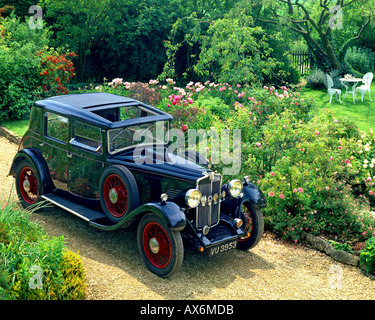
(36, 159)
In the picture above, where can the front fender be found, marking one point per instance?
(169, 212)
(253, 194)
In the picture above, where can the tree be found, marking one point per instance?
(316, 22)
(78, 24)
(234, 51)
(226, 48)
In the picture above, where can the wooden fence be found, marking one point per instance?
(302, 61)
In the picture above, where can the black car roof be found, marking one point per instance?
(83, 105)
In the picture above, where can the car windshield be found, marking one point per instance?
(131, 136)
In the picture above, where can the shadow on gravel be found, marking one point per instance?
(199, 274)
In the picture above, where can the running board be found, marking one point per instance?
(94, 217)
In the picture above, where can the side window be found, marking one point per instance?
(57, 127)
(87, 137)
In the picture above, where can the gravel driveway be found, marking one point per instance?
(272, 270)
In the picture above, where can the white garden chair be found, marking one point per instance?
(367, 79)
(332, 90)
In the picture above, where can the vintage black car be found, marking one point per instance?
(79, 154)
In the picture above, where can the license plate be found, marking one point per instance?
(224, 247)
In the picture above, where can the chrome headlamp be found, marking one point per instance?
(193, 198)
(235, 187)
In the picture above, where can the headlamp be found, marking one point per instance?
(193, 198)
(235, 187)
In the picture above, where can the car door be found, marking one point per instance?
(86, 163)
(54, 148)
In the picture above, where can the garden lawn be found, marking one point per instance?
(19, 127)
(363, 113)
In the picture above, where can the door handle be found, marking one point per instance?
(69, 155)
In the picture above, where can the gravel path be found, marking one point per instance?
(272, 270)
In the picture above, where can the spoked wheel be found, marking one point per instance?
(118, 192)
(253, 226)
(161, 248)
(115, 196)
(28, 185)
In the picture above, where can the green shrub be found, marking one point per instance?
(367, 255)
(317, 79)
(361, 59)
(313, 176)
(341, 246)
(33, 265)
(29, 68)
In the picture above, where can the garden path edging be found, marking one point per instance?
(10, 135)
(324, 246)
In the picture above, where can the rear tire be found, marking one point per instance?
(28, 183)
(162, 249)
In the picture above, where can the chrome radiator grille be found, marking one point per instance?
(208, 212)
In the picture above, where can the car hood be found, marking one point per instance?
(157, 160)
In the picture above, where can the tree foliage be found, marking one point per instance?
(234, 51)
(318, 21)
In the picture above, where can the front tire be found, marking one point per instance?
(162, 249)
(253, 224)
(28, 184)
(118, 192)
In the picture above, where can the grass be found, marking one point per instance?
(19, 127)
(363, 113)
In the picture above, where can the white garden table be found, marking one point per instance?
(346, 82)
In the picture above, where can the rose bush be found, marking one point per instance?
(313, 175)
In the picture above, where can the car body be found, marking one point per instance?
(82, 153)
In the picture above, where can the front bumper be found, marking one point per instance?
(222, 233)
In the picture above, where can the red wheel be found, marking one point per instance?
(253, 225)
(118, 192)
(115, 196)
(249, 225)
(27, 183)
(161, 248)
(157, 245)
